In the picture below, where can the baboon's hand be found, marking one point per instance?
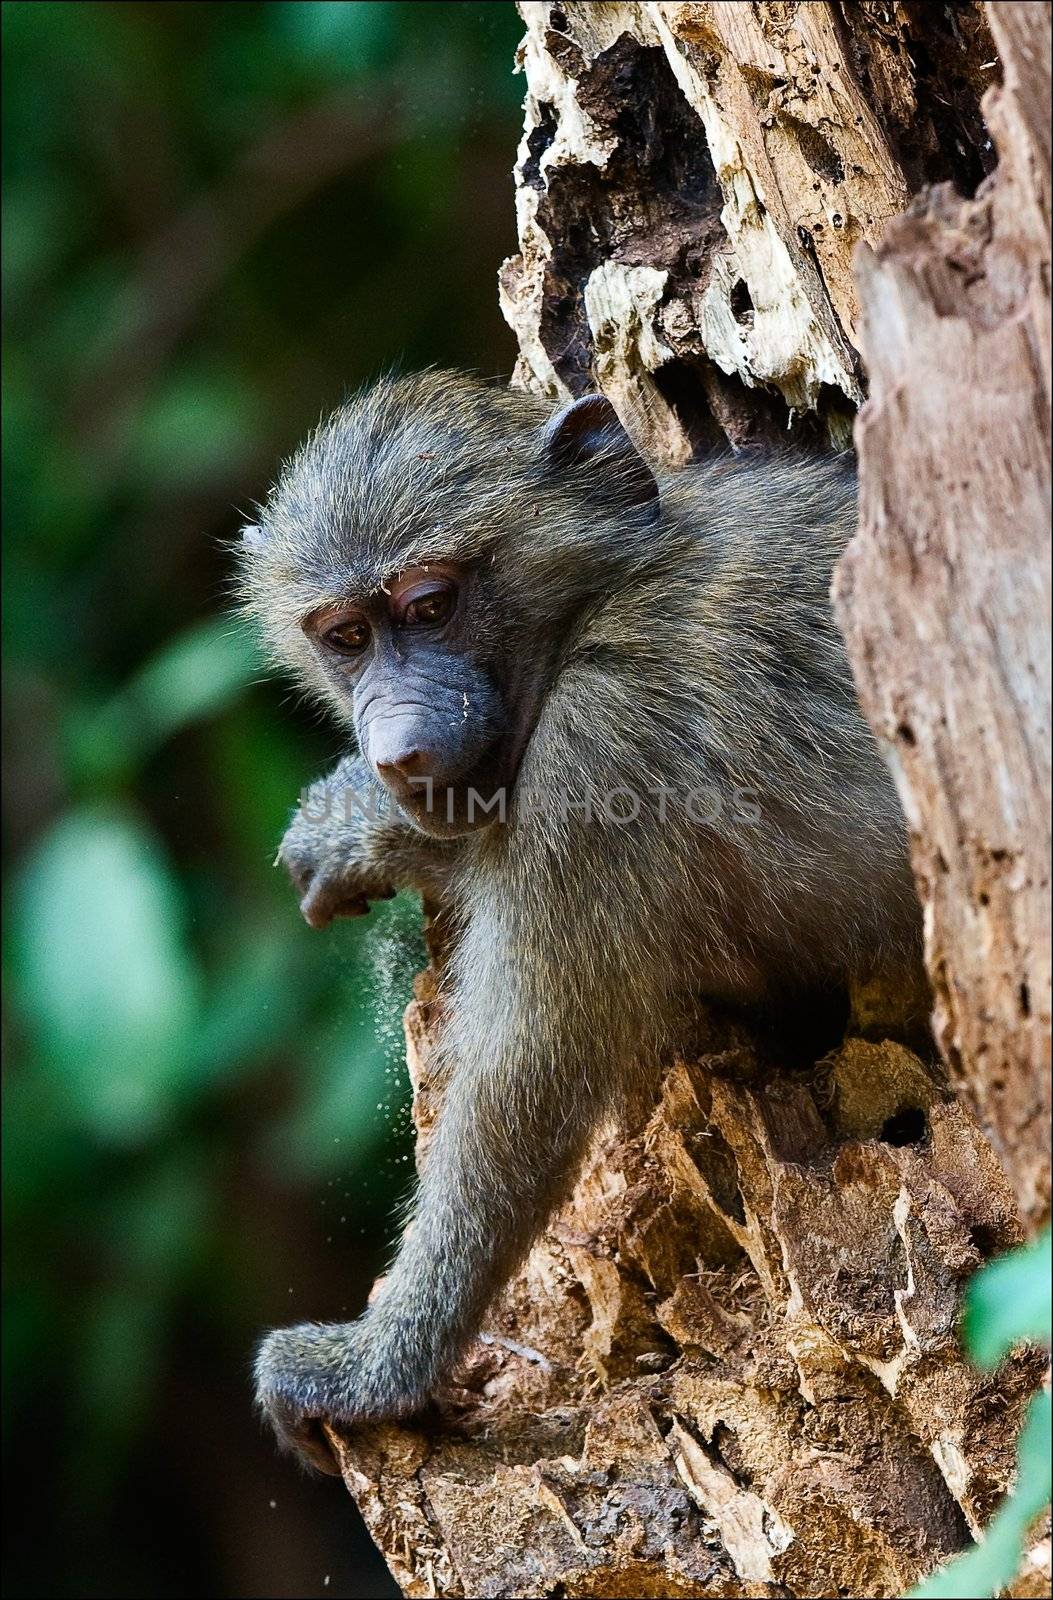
(329, 881)
(317, 1372)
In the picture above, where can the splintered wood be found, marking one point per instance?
(945, 594)
(751, 1383)
(730, 1367)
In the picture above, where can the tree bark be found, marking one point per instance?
(945, 594)
(731, 1367)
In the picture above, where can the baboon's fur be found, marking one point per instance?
(692, 649)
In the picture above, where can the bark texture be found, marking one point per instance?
(730, 1367)
(945, 594)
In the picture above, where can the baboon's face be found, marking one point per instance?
(429, 715)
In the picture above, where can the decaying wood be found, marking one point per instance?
(945, 594)
(692, 184)
(730, 1367)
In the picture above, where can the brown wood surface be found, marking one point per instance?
(945, 593)
(730, 1366)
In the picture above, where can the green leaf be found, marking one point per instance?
(989, 1567)
(42, 217)
(348, 40)
(193, 677)
(107, 988)
(199, 424)
(1009, 1302)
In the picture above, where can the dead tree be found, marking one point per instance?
(731, 1365)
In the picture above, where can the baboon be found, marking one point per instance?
(604, 713)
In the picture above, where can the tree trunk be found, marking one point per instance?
(945, 595)
(730, 1367)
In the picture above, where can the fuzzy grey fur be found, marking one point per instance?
(695, 648)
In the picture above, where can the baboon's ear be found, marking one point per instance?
(588, 429)
(252, 537)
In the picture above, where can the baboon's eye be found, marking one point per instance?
(348, 637)
(427, 605)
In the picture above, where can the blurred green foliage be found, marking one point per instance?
(1007, 1303)
(217, 219)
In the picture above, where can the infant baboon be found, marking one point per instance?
(606, 715)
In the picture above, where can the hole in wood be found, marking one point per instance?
(905, 1127)
(985, 1240)
(741, 302)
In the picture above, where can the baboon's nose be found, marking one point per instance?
(399, 754)
(413, 763)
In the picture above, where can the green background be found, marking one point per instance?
(218, 218)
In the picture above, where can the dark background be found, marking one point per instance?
(218, 218)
